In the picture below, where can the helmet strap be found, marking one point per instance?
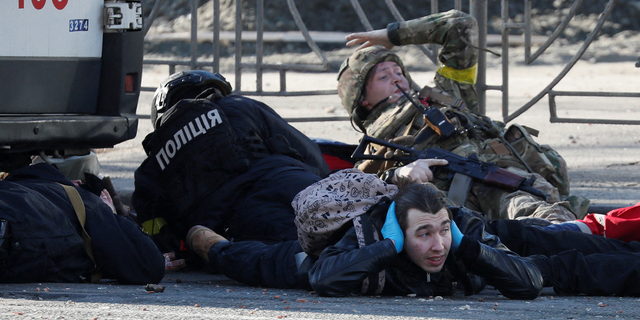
(211, 91)
(356, 119)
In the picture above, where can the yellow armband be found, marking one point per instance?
(463, 76)
(153, 226)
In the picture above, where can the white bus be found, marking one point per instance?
(69, 73)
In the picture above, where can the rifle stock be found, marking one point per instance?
(484, 172)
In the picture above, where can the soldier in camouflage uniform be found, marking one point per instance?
(367, 87)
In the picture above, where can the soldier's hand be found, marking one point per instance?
(369, 38)
(419, 170)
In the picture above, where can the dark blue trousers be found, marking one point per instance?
(262, 233)
(259, 264)
(578, 263)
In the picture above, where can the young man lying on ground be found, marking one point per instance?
(424, 252)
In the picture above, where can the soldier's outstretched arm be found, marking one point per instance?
(457, 32)
(369, 38)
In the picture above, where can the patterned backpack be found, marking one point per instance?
(328, 205)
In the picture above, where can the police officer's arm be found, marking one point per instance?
(309, 150)
(259, 118)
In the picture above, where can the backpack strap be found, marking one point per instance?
(367, 234)
(441, 97)
(78, 207)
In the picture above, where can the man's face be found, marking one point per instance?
(428, 238)
(381, 84)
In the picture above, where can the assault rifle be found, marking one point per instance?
(471, 167)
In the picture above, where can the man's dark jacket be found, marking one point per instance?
(341, 268)
(44, 243)
(207, 156)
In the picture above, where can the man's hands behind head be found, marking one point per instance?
(391, 228)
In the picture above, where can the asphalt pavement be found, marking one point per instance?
(603, 162)
(195, 295)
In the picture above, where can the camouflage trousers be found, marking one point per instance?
(496, 203)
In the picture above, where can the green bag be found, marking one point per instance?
(542, 159)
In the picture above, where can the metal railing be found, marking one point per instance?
(478, 9)
(530, 58)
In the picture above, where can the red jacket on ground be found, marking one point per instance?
(622, 223)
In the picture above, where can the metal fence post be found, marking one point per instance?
(216, 35)
(194, 35)
(238, 45)
(478, 9)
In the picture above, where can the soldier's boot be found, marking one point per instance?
(200, 239)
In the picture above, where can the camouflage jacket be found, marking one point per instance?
(476, 134)
(457, 32)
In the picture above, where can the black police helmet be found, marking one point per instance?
(185, 85)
